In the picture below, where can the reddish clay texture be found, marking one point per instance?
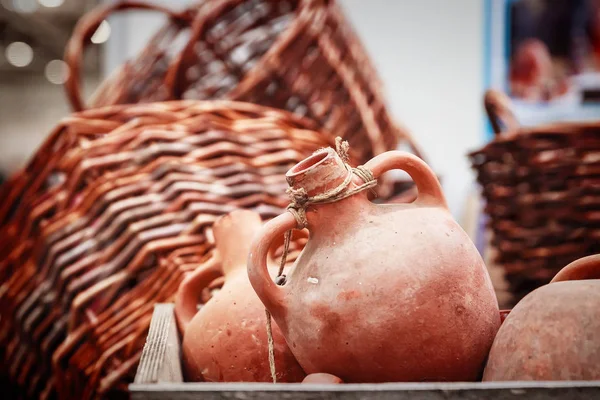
(554, 332)
(226, 340)
(380, 293)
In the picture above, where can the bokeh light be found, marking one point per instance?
(24, 6)
(19, 54)
(56, 72)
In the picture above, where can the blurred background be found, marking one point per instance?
(33, 35)
(537, 193)
(430, 63)
(435, 58)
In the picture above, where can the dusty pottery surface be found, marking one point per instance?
(226, 340)
(380, 293)
(554, 332)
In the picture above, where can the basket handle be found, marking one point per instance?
(175, 78)
(85, 29)
(499, 110)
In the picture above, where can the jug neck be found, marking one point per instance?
(320, 175)
(233, 234)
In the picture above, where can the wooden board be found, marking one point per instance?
(161, 356)
(396, 391)
(159, 377)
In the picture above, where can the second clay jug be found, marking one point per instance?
(553, 333)
(226, 341)
(380, 293)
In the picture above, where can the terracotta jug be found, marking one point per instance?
(226, 341)
(380, 293)
(553, 333)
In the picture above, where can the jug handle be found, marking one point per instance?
(581, 269)
(271, 295)
(430, 190)
(190, 291)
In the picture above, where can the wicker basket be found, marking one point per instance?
(110, 194)
(542, 192)
(298, 55)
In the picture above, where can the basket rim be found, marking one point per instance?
(200, 105)
(564, 128)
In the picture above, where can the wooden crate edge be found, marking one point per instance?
(160, 361)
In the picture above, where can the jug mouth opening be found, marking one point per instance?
(309, 163)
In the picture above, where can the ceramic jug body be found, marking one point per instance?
(382, 293)
(553, 333)
(226, 341)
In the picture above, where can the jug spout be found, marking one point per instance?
(234, 233)
(323, 176)
(319, 173)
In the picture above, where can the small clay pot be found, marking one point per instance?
(226, 340)
(554, 332)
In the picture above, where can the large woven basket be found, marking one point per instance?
(542, 191)
(112, 193)
(298, 55)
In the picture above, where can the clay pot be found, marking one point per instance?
(554, 332)
(226, 340)
(380, 293)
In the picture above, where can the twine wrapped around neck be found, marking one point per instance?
(299, 202)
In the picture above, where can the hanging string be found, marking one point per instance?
(299, 202)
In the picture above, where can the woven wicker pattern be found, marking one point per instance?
(298, 55)
(111, 212)
(542, 188)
